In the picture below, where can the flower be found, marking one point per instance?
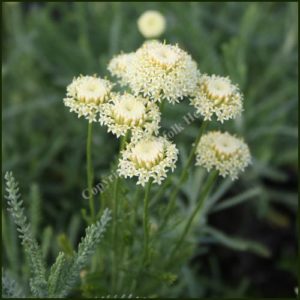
(127, 112)
(228, 154)
(217, 95)
(151, 24)
(162, 71)
(86, 94)
(148, 158)
(118, 66)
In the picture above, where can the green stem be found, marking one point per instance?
(114, 236)
(136, 203)
(89, 169)
(203, 195)
(161, 191)
(144, 258)
(183, 175)
(115, 219)
(146, 221)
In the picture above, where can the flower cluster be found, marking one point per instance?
(148, 159)
(153, 73)
(127, 112)
(119, 65)
(86, 94)
(228, 154)
(217, 95)
(151, 24)
(162, 72)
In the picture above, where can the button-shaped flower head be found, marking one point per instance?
(151, 24)
(217, 95)
(86, 94)
(227, 154)
(162, 71)
(119, 65)
(127, 112)
(148, 158)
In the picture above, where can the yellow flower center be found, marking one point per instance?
(226, 145)
(129, 111)
(218, 89)
(147, 154)
(92, 90)
(163, 55)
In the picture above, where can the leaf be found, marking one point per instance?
(65, 244)
(38, 281)
(237, 199)
(237, 243)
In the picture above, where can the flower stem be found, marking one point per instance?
(161, 191)
(203, 195)
(144, 258)
(114, 236)
(89, 169)
(146, 222)
(183, 175)
(115, 220)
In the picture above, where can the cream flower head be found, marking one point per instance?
(217, 95)
(127, 112)
(118, 66)
(228, 154)
(151, 24)
(148, 158)
(86, 94)
(162, 71)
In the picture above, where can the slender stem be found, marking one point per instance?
(89, 169)
(146, 221)
(133, 226)
(115, 220)
(183, 175)
(135, 207)
(144, 259)
(161, 191)
(203, 195)
(114, 235)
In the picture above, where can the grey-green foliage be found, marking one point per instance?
(64, 273)
(10, 288)
(38, 283)
(239, 244)
(254, 43)
(86, 248)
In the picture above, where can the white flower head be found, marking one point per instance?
(217, 95)
(162, 71)
(128, 112)
(151, 24)
(148, 158)
(86, 94)
(118, 66)
(226, 153)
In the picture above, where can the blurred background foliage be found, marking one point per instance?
(46, 44)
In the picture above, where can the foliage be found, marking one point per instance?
(65, 271)
(45, 46)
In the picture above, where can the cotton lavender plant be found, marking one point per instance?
(130, 106)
